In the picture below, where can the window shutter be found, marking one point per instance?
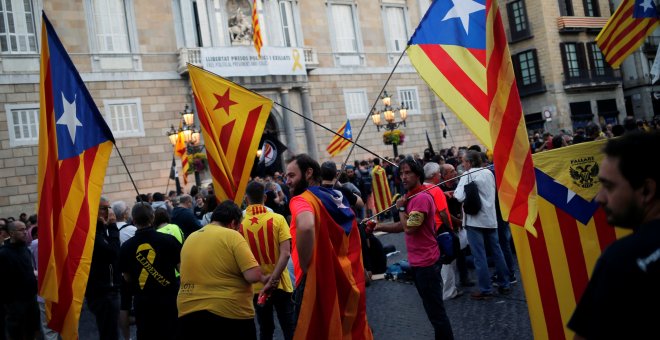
(516, 69)
(537, 68)
(564, 61)
(581, 57)
(512, 20)
(590, 56)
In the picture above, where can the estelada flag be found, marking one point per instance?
(334, 299)
(461, 51)
(181, 151)
(626, 29)
(74, 147)
(381, 189)
(572, 232)
(233, 119)
(341, 140)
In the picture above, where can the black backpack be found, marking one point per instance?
(472, 202)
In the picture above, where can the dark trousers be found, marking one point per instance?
(461, 264)
(105, 308)
(298, 294)
(206, 325)
(22, 319)
(283, 304)
(156, 317)
(429, 286)
(504, 235)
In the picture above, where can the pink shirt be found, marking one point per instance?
(422, 247)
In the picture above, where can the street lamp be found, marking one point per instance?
(391, 135)
(190, 135)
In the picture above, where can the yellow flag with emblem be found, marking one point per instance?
(233, 119)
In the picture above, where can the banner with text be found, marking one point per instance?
(243, 61)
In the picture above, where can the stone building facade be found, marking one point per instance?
(132, 54)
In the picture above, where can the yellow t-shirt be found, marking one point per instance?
(264, 231)
(213, 260)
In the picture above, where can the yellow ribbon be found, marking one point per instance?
(296, 60)
(151, 256)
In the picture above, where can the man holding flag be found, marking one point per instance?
(74, 147)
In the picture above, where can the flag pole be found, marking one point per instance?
(334, 133)
(373, 107)
(429, 188)
(128, 172)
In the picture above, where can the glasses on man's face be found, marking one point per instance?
(103, 207)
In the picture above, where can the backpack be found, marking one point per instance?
(472, 202)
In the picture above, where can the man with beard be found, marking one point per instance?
(327, 258)
(622, 297)
(417, 214)
(18, 285)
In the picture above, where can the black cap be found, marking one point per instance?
(328, 170)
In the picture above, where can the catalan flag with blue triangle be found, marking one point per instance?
(460, 50)
(626, 29)
(74, 148)
(572, 231)
(341, 140)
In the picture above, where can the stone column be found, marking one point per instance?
(310, 136)
(287, 119)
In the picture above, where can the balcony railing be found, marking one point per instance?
(598, 77)
(193, 55)
(573, 24)
(530, 89)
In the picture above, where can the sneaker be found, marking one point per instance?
(513, 280)
(504, 291)
(481, 296)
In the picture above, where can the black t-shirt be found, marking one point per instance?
(150, 258)
(622, 298)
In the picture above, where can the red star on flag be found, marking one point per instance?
(224, 101)
(254, 220)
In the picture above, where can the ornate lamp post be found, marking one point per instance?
(392, 135)
(190, 135)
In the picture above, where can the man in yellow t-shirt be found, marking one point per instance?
(269, 238)
(217, 273)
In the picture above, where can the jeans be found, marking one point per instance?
(504, 234)
(283, 304)
(478, 237)
(105, 308)
(428, 282)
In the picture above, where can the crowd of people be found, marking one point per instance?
(184, 266)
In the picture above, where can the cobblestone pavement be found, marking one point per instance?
(395, 311)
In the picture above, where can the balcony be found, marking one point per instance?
(531, 89)
(193, 55)
(594, 79)
(572, 24)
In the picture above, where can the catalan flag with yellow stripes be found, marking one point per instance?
(265, 231)
(341, 140)
(572, 232)
(233, 119)
(256, 30)
(74, 148)
(381, 189)
(461, 51)
(626, 29)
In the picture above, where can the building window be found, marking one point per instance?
(408, 97)
(396, 32)
(573, 57)
(518, 24)
(17, 27)
(23, 124)
(124, 116)
(581, 114)
(345, 36)
(599, 67)
(591, 8)
(111, 29)
(288, 27)
(566, 8)
(356, 103)
(528, 67)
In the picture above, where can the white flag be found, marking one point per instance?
(655, 70)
